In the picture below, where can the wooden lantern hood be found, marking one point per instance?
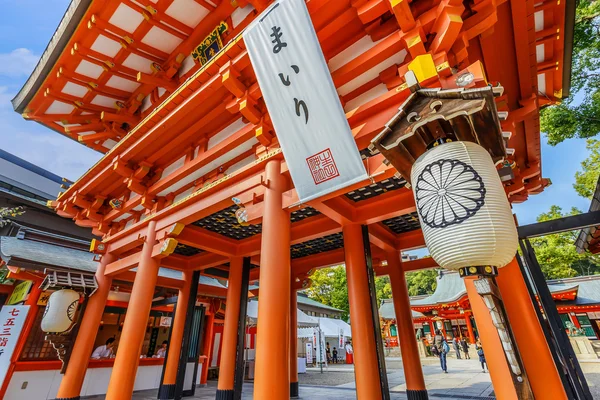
(429, 115)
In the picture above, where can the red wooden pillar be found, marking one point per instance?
(432, 327)
(411, 361)
(72, 381)
(574, 320)
(167, 390)
(470, 328)
(272, 374)
(227, 367)
(293, 342)
(366, 367)
(207, 347)
(124, 371)
(537, 360)
(34, 295)
(500, 371)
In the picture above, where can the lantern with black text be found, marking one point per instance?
(463, 209)
(60, 311)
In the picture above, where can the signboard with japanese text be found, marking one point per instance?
(20, 292)
(302, 101)
(44, 297)
(12, 319)
(309, 353)
(165, 321)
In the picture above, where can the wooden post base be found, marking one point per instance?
(417, 395)
(294, 390)
(166, 392)
(225, 394)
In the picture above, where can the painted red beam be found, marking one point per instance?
(208, 241)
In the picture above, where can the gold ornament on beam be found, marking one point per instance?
(211, 44)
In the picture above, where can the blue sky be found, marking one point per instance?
(27, 25)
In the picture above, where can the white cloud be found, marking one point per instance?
(17, 63)
(5, 97)
(42, 146)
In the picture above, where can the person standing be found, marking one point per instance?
(335, 360)
(328, 353)
(456, 346)
(481, 355)
(465, 348)
(442, 346)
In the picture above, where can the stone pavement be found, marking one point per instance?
(463, 381)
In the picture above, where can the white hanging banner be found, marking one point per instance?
(303, 103)
(12, 319)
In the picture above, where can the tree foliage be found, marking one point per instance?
(587, 178)
(330, 287)
(579, 119)
(421, 282)
(557, 253)
(7, 212)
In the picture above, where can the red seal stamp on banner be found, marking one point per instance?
(322, 166)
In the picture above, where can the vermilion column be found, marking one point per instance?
(207, 347)
(227, 366)
(574, 320)
(411, 361)
(470, 328)
(492, 346)
(132, 337)
(72, 381)
(535, 354)
(366, 368)
(272, 374)
(293, 343)
(167, 390)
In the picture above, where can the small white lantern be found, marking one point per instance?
(463, 209)
(60, 311)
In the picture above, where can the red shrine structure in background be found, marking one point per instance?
(167, 92)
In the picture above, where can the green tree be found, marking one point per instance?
(421, 282)
(7, 212)
(557, 254)
(587, 178)
(581, 119)
(329, 286)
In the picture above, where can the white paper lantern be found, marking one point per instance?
(60, 311)
(463, 209)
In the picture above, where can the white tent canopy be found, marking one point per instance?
(329, 326)
(304, 320)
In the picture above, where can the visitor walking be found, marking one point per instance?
(481, 355)
(465, 348)
(456, 346)
(442, 346)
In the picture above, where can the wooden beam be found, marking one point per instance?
(206, 240)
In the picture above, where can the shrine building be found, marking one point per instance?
(257, 141)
